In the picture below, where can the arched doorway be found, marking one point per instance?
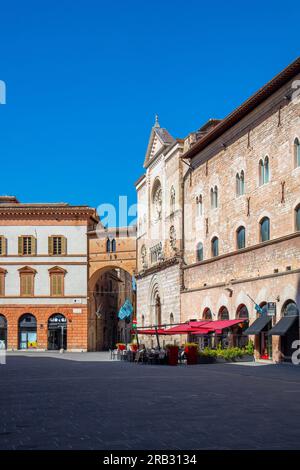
(3, 331)
(57, 332)
(265, 340)
(290, 309)
(27, 332)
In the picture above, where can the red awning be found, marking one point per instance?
(219, 325)
(151, 332)
(185, 328)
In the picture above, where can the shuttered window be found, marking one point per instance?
(57, 245)
(2, 284)
(27, 245)
(26, 284)
(2, 246)
(57, 284)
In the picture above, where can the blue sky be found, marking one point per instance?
(85, 79)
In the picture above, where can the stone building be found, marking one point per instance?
(241, 240)
(159, 195)
(44, 274)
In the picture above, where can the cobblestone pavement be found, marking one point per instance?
(49, 403)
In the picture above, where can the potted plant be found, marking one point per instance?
(172, 354)
(191, 351)
(207, 356)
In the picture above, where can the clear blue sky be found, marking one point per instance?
(85, 79)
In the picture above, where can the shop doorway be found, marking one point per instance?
(57, 332)
(27, 332)
(3, 332)
(290, 309)
(265, 340)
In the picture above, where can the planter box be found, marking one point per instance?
(206, 360)
(173, 356)
(246, 358)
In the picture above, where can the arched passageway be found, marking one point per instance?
(109, 289)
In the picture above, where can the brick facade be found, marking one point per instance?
(77, 324)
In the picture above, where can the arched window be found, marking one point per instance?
(223, 313)
(215, 246)
(199, 205)
(172, 200)
(207, 315)
(297, 217)
(264, 171)
(290, 309)
(143, 320)
(216, 196)
(200, 251)
(171, 319)
(157, 199)
(265, 229)
(261, 172)
(266, 163)
(113, 245)
(297, 152)
(242, 183)
(108, 245)
(242, 312)
(237, 184)
(241, 238)
(212, 198)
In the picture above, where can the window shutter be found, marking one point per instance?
(63, 245)
(2, 284)
(33, 245)
(4, 246)
(20, 245)
(50, 246)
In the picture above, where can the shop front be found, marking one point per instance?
(287, 329)
(3, 332)
(27, 332)
(57, 332)
(260, 329)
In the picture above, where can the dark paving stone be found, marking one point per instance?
(46, 403)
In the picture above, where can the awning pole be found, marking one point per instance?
(157, 337)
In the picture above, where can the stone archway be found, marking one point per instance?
(108, 288)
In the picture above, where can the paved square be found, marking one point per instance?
(55, 402)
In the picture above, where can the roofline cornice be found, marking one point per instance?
(249, 105)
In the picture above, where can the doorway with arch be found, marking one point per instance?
(57, 332)
(27, 331)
